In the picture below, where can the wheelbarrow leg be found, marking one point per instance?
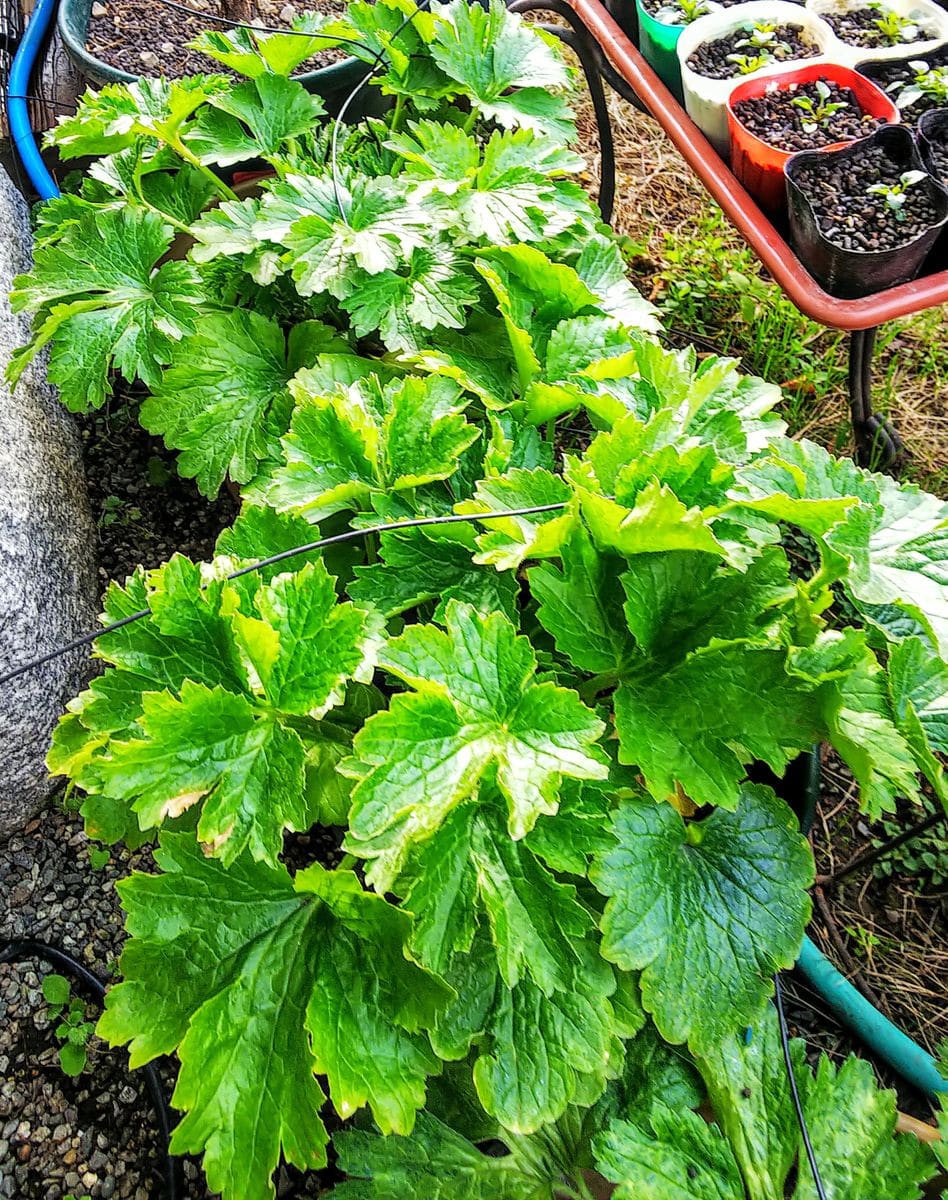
(877, 443)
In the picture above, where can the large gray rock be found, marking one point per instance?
(47, 547)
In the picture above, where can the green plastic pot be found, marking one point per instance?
(658, 44)
(332, 84)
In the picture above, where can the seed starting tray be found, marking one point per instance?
(767, 242)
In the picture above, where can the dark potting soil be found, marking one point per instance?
(850, 216)
(858, 27)
(892, 78)
(776, 120)
(147, 38)
(712, 59)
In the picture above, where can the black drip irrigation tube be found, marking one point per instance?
(13, 950)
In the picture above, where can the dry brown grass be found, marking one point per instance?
(660, 204)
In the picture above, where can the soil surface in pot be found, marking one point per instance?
(861, 27)
(144, 38)
(894, 77)
(851, 216)
(776, 119)
(716, 59)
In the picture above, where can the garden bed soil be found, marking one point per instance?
(857, 27)
(711, 59)
(145, 38)
(850, 216)
(776, 120)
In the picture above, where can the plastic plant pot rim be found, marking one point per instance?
(849, 55)
(799, 160)
(928, 122)
(705, 98)
(773, 251)
(750, 89)
(73, 21)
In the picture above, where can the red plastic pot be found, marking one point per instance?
(757, 164)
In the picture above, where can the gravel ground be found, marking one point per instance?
(93, 1136)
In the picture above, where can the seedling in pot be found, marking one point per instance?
(682, 12)
(895, 194)
(893, 27)
(930, 83)
(763, 36)
(818, 113)
(748, 63)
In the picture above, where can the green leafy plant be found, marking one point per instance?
(818, 113)
(927, 83)
(523, 693)
(74, 1029)
(682, 12)
(893, 27)
(748, 63)
(895, 194)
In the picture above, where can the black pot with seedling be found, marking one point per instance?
(916, 84)
(866, 216)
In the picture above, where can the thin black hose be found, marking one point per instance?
(373, 67)
(231, 24)
(877, 852)
(578, 41)
(16, 950)
(293, 552)
(794, 1091)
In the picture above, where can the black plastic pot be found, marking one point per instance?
(852, 273)
(332, 83)
(879, 71)
(933, 127)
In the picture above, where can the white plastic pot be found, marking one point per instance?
(926, 12)
(706, 99)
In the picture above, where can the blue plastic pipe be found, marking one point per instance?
(883, 1038)
(21, 132)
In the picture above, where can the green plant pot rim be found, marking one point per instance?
(73, 22)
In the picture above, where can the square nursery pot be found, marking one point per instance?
(849, 273)
(885, 73)
(932, 19)
(705, 98)
(332, 83)
(658, 41)
(758, 164)
(932, 138)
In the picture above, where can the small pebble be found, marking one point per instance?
(99, 10)
(149, 59)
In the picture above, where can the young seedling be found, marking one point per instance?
(930, 83)
(73, 1029)
(818, 113)
(682, 12)
(893, 27)
(762, 36)
(748, 63)
(895, 194)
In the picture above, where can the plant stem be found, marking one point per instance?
(599, 683)
(190, 157)
(347, 862)
(397, 114)
(551, 429)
